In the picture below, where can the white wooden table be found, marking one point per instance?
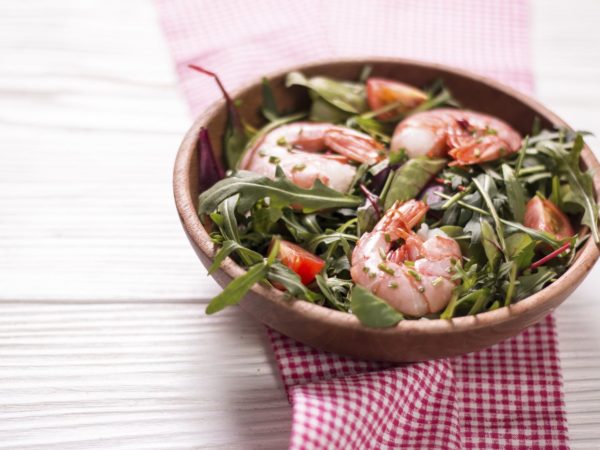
(103, 341)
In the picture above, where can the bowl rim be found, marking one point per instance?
(197, 233)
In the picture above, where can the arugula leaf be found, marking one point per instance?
(535, 234)
(521, 157)
(520, 249)
(514, 192)
(410, 178)
(328, 239)
(555, 195)
(367, 217)
(531, 283)
(365, 73)
(322, 111)
(228, 247)
(344, 95)
(281, 192)
(372, 127)
(511, 283)
(484, 185)
(235, 141)
(335, 291)
(294, 227)
(286, 277)
(238, 287)
(264, 218)
(490, 243)
(479, 298)
(228, 224)
(269, 105)
(442, 98)
(371, 310)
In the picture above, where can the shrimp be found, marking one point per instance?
(414, 278)
(295, 148)
(468, 137)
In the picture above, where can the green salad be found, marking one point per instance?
(392, 202)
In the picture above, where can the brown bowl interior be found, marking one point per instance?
(340, 332)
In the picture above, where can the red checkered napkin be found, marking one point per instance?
(508, 396)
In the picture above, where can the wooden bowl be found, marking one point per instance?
(334, 331)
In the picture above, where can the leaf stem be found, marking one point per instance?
(493, 212)
(456, 197)
(522, 152)
(550, 256)
(511, 284)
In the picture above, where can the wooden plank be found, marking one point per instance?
(133, 376)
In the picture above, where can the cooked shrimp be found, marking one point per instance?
(296, 148)
(414, 278)
(468, 137)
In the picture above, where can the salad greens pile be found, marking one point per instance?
(481, 206)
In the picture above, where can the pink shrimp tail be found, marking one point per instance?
(401, 218)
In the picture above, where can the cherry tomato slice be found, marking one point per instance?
(382, 92)
(543, 215)
(301, 261)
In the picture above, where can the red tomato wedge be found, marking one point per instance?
(301, 261)
(382, 92)
(543, 215)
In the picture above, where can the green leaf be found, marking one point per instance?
(484, 184)
(514, 192)
(297, 229)
(367, 217)
(480, 298)
(532, 283)
(371, 310)
(291, 282)
(264, 219)
(450, 309)
(328, 239)
(228, 247)
(269, 105)
(410, 178)
(229, 225)
(365, 73)
(511, 283)
(335, 291)
(535, 234)
(238, 287)
(442, 98)
(520, 248)
(234, 143)
(322, 111)
(555, 195)
(490, 243)
(345, 96)
(281, 192)
(521, 157)
(372, 127)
